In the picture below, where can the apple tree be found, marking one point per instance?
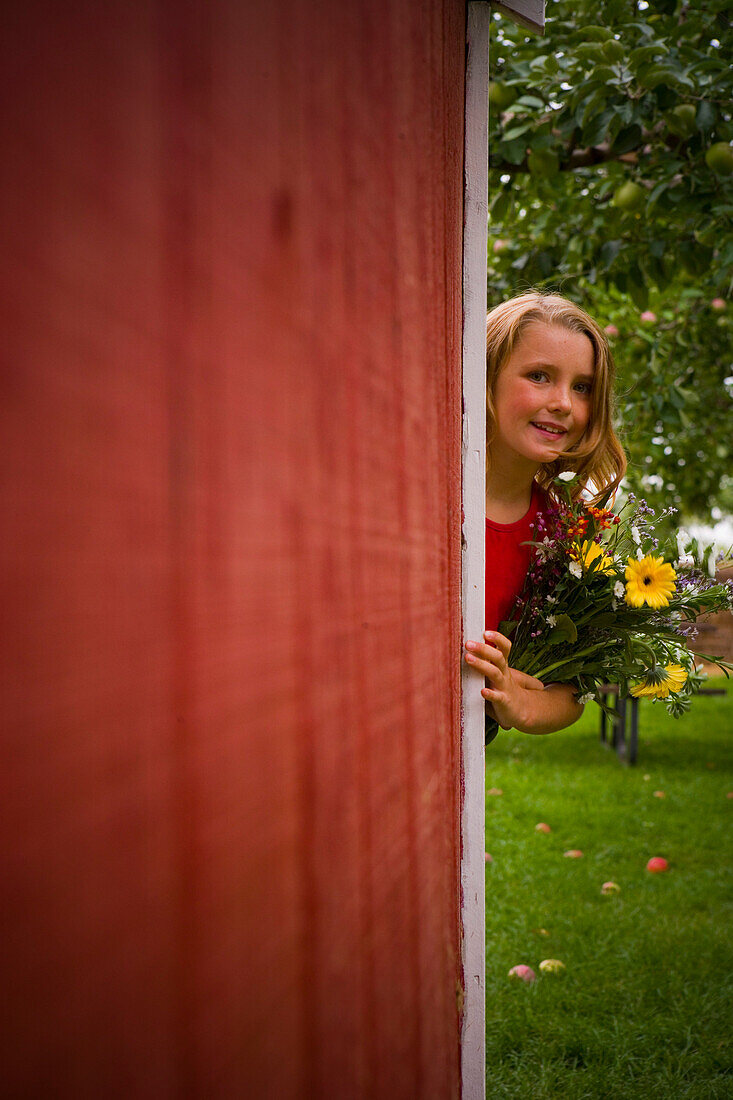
(611, 180)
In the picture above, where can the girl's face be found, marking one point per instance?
(542, 396)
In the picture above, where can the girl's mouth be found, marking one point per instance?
(547, 431)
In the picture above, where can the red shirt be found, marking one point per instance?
(507, 561)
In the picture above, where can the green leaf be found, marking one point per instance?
(516, 131)
(500, 206)
(530, 101)
(513, 152)
(637, 287)
(609, 252)
(705, 116)
(601, 74)
(643, 54)
(507, 627)
(629, 138)
(595, 130)
(564, 630)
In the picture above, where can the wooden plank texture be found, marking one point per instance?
(231, 295)
(528, 13)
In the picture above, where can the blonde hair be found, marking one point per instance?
(598, 457)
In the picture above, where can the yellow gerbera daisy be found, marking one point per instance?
(649, 581)
(590, 552)
(660, 682)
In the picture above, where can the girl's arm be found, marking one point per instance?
(519, 701)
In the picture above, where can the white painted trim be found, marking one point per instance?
(473, 867)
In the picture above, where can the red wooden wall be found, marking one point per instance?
(230, 489)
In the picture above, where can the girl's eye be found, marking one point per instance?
(584, 387)
(536, 375)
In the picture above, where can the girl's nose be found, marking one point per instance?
(560, 399)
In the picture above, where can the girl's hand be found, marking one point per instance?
(508, 690)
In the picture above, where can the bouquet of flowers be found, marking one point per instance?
(604, 602)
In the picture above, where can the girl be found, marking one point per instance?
(549, 375)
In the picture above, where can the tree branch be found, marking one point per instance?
(575, 158)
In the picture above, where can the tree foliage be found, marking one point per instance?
(611, 179)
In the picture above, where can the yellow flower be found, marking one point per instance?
(649, 581)
(590, 552)
(661, 682)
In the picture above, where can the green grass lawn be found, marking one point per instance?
(645, 1006)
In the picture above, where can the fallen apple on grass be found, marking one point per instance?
(542, 827)
(573, 853)
(657, 864)
(495, 790)
(552, 966)
(609, 888)
(488, 858)
(523, 973)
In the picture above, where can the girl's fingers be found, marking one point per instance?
(499, 641)
(487, 668)
(488, 653)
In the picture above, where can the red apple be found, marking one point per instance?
(610, 888)
(542, 827)
(657, 864)
(488, 858)
(573, 853)
(523, 973)
(659, 794)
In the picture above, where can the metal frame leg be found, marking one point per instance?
(634, 738)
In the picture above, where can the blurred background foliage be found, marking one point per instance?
(611, 180)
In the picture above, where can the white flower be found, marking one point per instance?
(619, 590)
(586, 698)
(551, 620)
(639, 553)
(711, 564)
(636, 536)
(567, 475)
(614, 605)
(544, 548)
(682, 540)
(576, 568)
(552, 599)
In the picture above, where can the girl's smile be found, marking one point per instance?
(542, 397)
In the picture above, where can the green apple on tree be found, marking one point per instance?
(719, 158)
(501, 95)
(543, 162)
(629, 196)
(681, 120)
